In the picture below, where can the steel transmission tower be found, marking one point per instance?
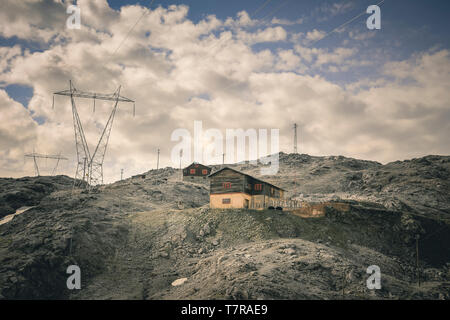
(295, 138)
(44, 156)
(90, 167)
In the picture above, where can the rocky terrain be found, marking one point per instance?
(28, 191)
(154, 237)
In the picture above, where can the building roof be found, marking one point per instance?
(214, 173)
(194, 163)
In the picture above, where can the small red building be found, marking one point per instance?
(196, 172)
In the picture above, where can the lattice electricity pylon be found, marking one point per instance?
(90, 168)
(45, 156)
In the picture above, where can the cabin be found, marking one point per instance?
(232, 189)
(197, 173)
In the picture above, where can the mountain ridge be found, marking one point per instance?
(134, 237)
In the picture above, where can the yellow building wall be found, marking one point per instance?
(237, 200)
(258, 202)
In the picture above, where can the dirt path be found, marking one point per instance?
(220, 259)
(144, 266)
(9, 217)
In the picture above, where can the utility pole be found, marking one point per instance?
(417, 259)
(71, 236)
(223, 159)
(157, 163)
(181, 171)
(121, 174)
(295, 138)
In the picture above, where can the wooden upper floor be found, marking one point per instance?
(196, 170)
(227, 180)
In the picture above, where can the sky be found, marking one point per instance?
(380, 94)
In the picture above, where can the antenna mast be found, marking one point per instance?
(295, 138)
(157, 163)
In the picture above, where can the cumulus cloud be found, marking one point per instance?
(338, 8)
(271, 34)
(288, 60)
(319, 57)
(286, 22)
(355, 35)
(315, 35)
(179, 71)
(18, 134)
(326, 11)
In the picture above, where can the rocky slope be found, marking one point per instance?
(420, 185)
(28, 191)
(133, 238)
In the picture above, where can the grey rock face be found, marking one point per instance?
(134, 238)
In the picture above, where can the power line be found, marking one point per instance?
(262, 20)
(344, 24)
(276, 10)
(250, 16)
(35, 156)
(335, 29)
(132, 28)
(261, 7)
(90, 167)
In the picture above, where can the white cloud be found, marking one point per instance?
(338, 8)
(286, 22)
(288, 60)
(326, 10)
(168, 63)
(315, 35)
(271, 34)
(18, 134)
(319, 57)
(361, 35)
(7, 54)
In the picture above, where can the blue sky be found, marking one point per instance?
(408, 27)
(373, 94)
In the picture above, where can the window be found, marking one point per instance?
(226, 201)
(204, 171)
(192, 171)
(258, 186)
(226, 185)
